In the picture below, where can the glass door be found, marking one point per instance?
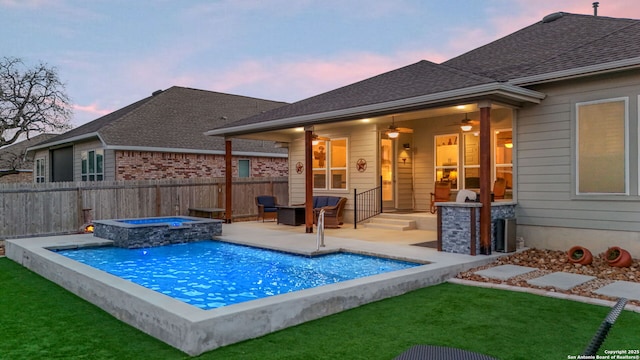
(387, 172)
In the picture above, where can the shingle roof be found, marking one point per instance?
(177, 118)
(568, 41)
(561, 41)
(18, 149)
(423, 77)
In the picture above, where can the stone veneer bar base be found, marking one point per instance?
(456, 224)
(134, 236)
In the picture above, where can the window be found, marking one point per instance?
(40, 169)
(330, 164)
(601, 141)
(471, 160)
(446, 168)
(92, 165)
(243, 168)
(503, 152)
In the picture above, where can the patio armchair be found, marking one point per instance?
(499, 188)
(441, 192)
(333, 207)
(267, 207)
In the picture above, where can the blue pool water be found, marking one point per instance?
(212, 274)
(172, 221)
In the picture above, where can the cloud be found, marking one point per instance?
(85, 113)
(294, 80)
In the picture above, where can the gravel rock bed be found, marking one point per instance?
(549, 261)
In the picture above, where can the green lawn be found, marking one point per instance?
(40, 320)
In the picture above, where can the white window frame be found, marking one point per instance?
(465, 167)
(40, 173)
(248, 162)
(328, 168)
(443, 168)
(87, 176)
(495, 155)
(577, 146)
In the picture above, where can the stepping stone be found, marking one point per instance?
(625, 289)
(560, 280)
(504, 272)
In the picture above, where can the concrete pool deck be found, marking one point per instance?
(195, 331)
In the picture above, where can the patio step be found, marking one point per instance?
(389, 223)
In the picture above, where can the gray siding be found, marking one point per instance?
(546, 159)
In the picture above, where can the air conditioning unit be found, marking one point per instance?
(504, 233)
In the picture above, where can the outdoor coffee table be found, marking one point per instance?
(291, 215)
(430, 352)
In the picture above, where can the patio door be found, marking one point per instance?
(387, 172)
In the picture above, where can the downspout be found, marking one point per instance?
(308, 181)
(228, 174)
(485, 177)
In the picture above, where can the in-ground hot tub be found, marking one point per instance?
(156, 231)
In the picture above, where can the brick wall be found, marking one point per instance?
(143, 165)
(21, 177)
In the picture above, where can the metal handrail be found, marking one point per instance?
(320, 234)
(367, 204)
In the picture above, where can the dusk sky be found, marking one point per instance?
(110, 53)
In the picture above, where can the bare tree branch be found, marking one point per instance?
(32, 101)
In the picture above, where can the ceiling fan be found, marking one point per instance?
(466, 124)
(393, 131)
(315, 138)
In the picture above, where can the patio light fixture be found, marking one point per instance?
(393, 134)
(466, 127)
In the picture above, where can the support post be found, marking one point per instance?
(308, 180)
(485, 177)
(228, 175)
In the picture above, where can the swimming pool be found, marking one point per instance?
(194, 330)
(212, 274)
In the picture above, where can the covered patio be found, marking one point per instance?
(401, 131)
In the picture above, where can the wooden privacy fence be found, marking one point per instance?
(57, 208)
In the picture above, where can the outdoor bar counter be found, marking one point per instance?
(459, 224)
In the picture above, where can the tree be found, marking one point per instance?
(32, 101)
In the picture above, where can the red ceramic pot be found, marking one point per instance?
(618, 257)
(580, 255)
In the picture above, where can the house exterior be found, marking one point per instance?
(552, 109)
(15, 165)
(160, 137)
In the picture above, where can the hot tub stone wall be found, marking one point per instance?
(151, 235)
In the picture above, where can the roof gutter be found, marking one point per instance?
(590, 70)
(66, 141)
(502, 89)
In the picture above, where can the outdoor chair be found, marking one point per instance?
(441, 192)
(499, 188)
(267, 207)
(333, 207)
(604, 328)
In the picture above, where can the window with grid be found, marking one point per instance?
(92, 165)
(446, 159)
(40, 170)
(330, 164)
